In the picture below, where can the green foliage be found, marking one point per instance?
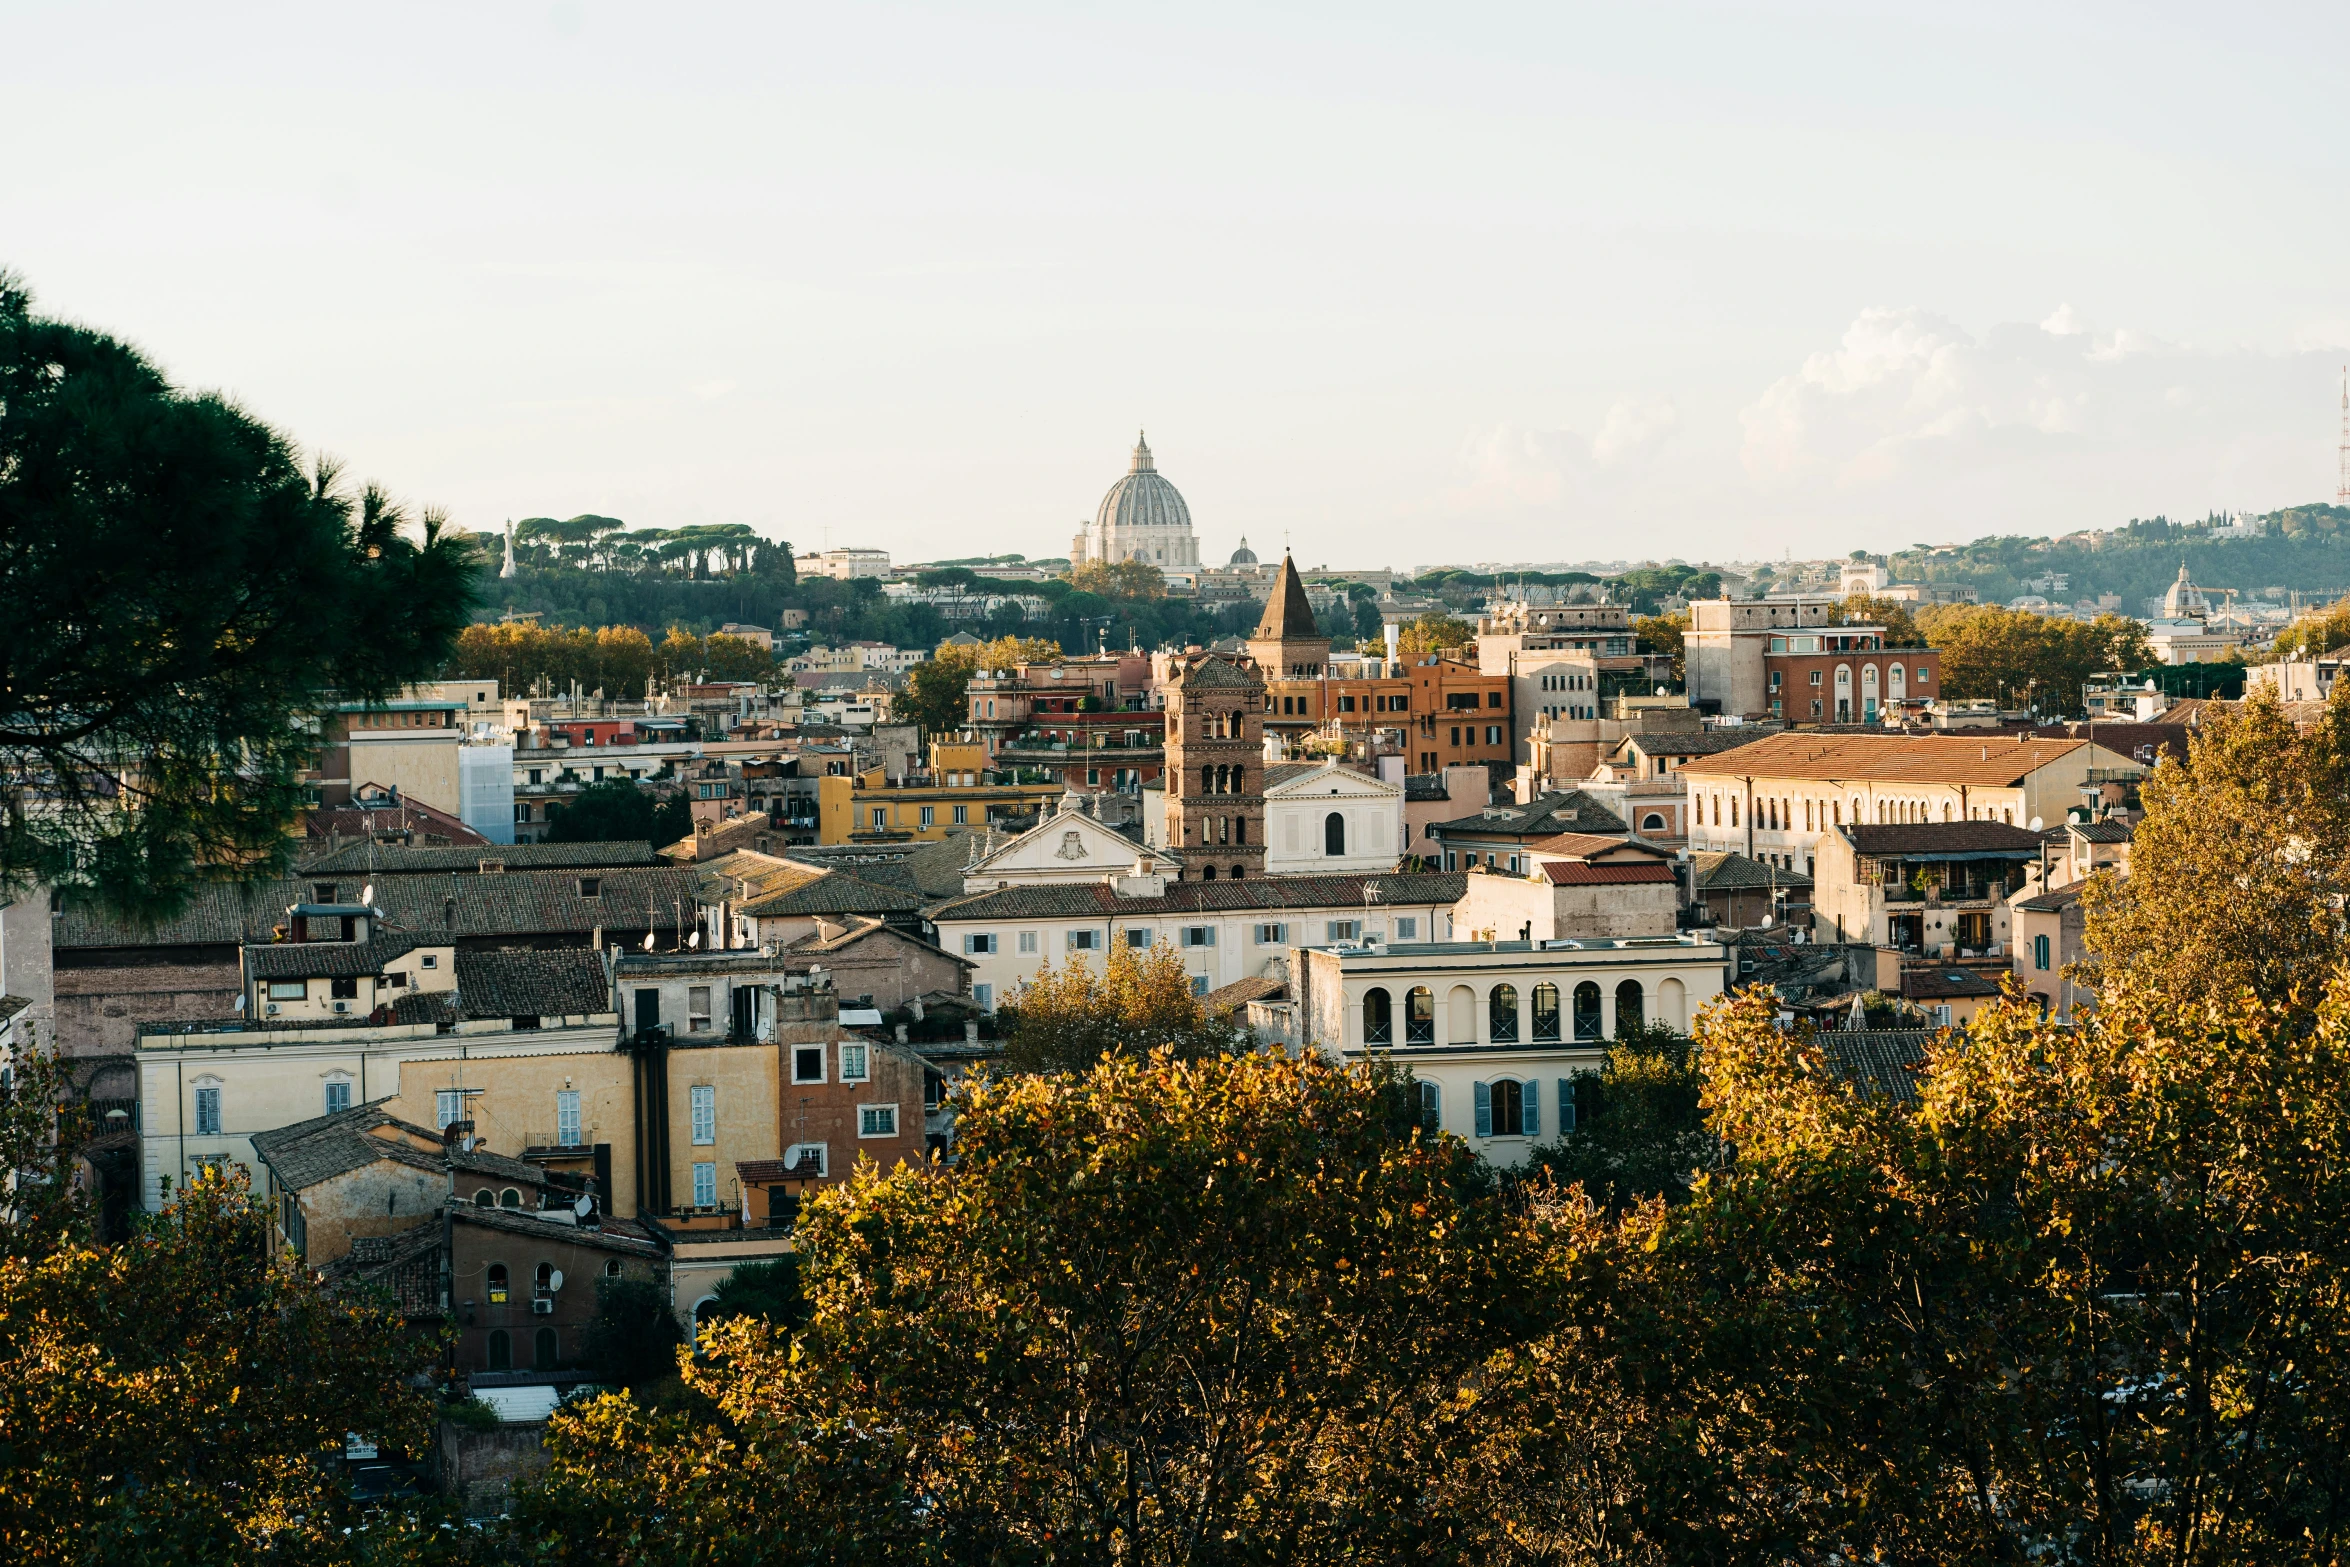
(632, 1339)
(187, 594)
(1639, 1127)
(768, 1291)
(1066, 1019)
(1157, 1313)
(1434, 633)
(469, 1414)
(2017, 656)
(934, 695)
(619, 811)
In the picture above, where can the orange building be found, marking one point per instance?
(1438, 713)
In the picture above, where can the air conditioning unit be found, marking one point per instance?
(542, 1307)
(272, 1009)
(342, 1006)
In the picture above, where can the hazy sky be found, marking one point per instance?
(1424, 284)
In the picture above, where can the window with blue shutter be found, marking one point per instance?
(1484, 1110)
(1566, 1105)
(1530, 1117)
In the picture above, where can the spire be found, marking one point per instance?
(1142, 454)
(1288, 617)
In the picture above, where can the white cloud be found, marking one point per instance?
(1514, 466)
(2063, 323)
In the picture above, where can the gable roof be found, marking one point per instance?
(1992, 759)
(834, 892)
(1587, 873)
(1093, 899)
(2055, 902)
(1944, 984)
(1570, 810)
(1212, 669)
(1282, 775)
(1288, 615)
(532, 982)
(863, 927)
(1715, 870)
(1694, 742)
(1596, 846)
(319, 1149)
(325, 959)
(2108, 831)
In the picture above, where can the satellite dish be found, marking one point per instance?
(1767, 922)
(2035, 824)
(648, 941)
(584, 1207)
(240, 1001)
(367, 894)
(555, 1279)
(694, 941)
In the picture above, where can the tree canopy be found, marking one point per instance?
(618, 810)
(188, 595)
(1067, 1018)
(934, 688)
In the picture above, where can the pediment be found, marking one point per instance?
(1063, 847)
(1334, 783)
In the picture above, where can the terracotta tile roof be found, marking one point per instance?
(1544, 816)
(2055, 902)
(1212, 670)
(1931, 839)
(532, 982)
(1584, 845)
(376, 859)
(1230, 998)
(325, 959)
(835, 892)
(407, 1265)
(1584, 873)
(1717, 871)
(1993, 759)
(1079, 900)
(760, 1172)
(2102, 832)
(1878, 1062)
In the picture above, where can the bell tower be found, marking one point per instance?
(1215, 778)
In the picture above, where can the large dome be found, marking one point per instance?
(1143, 499)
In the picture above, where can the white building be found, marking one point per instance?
(1495, 1033)
(1322, 819)
(843, 564)
(1142, 518)
(1225, 930)
(1773, 800)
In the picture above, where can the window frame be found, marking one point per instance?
(869, 1118)
(702, 1110)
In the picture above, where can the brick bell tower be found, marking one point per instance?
(1216, 767)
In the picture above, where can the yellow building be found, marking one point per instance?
(869, 808)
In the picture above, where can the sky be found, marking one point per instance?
(1396, 285)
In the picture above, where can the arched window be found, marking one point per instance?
(1378, 1021)
(1733, 810)
(1419, 1016)
(1431, 1108)
(1238, 871)
(1209, 874)
(485, 1198)
(546, 1279)
(501, 1350)
(1334, 834)
(1546, 1013)
(510, 1198)
(612, 1268)
(1652, 823)
(496, 1281)
(1501, 1014)
(1207, 780)
(1628, 1005)
(545, 1349)
(1587, 1016)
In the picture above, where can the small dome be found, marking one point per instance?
(2184, 600)
(1142, 498)
(1243, 556)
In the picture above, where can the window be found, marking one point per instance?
(930, 816)
(429, 960)
(818, 1152)
(1456, 734)
(2040, 952)
(980, 944)
(1407, 928)
(544, 1345)
(1942, 1016)
(807, 1064)
(1546, 1014)
(1501, 1015)
(485, 1198)
(567, 1117)
(877, 1120)
(1276, 935)
(501, 1349)
(985, 996)
(704, 1099)
(697, 1009)
(1505, 1109)
(1334, 834)
(852, 1063)
(1493, 734)
(447, 1105)
(510, 1198)
(288, 989)
(1419, 1016)
(880, 816)
(207, 1112)
(705, 1185)
(1431, 1108)
(1378, 1018)
(1342, 930)
(1628, 1006)
(497, 1284)
(1027, 941)
(1084, 940)
(1137, 938)
(1587, 1011)
(343, 989)
(1198, 936)
(338, 1092)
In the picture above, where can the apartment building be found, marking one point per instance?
(1777, 798)
(1791, 659)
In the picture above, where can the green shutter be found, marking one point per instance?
(1531, 1098)
(1566, 1105)
(1484, 1110)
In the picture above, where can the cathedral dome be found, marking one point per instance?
(1143, 499)
(1243, 556)
(2184, 601)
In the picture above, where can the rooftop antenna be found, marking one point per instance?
(2342, 483)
